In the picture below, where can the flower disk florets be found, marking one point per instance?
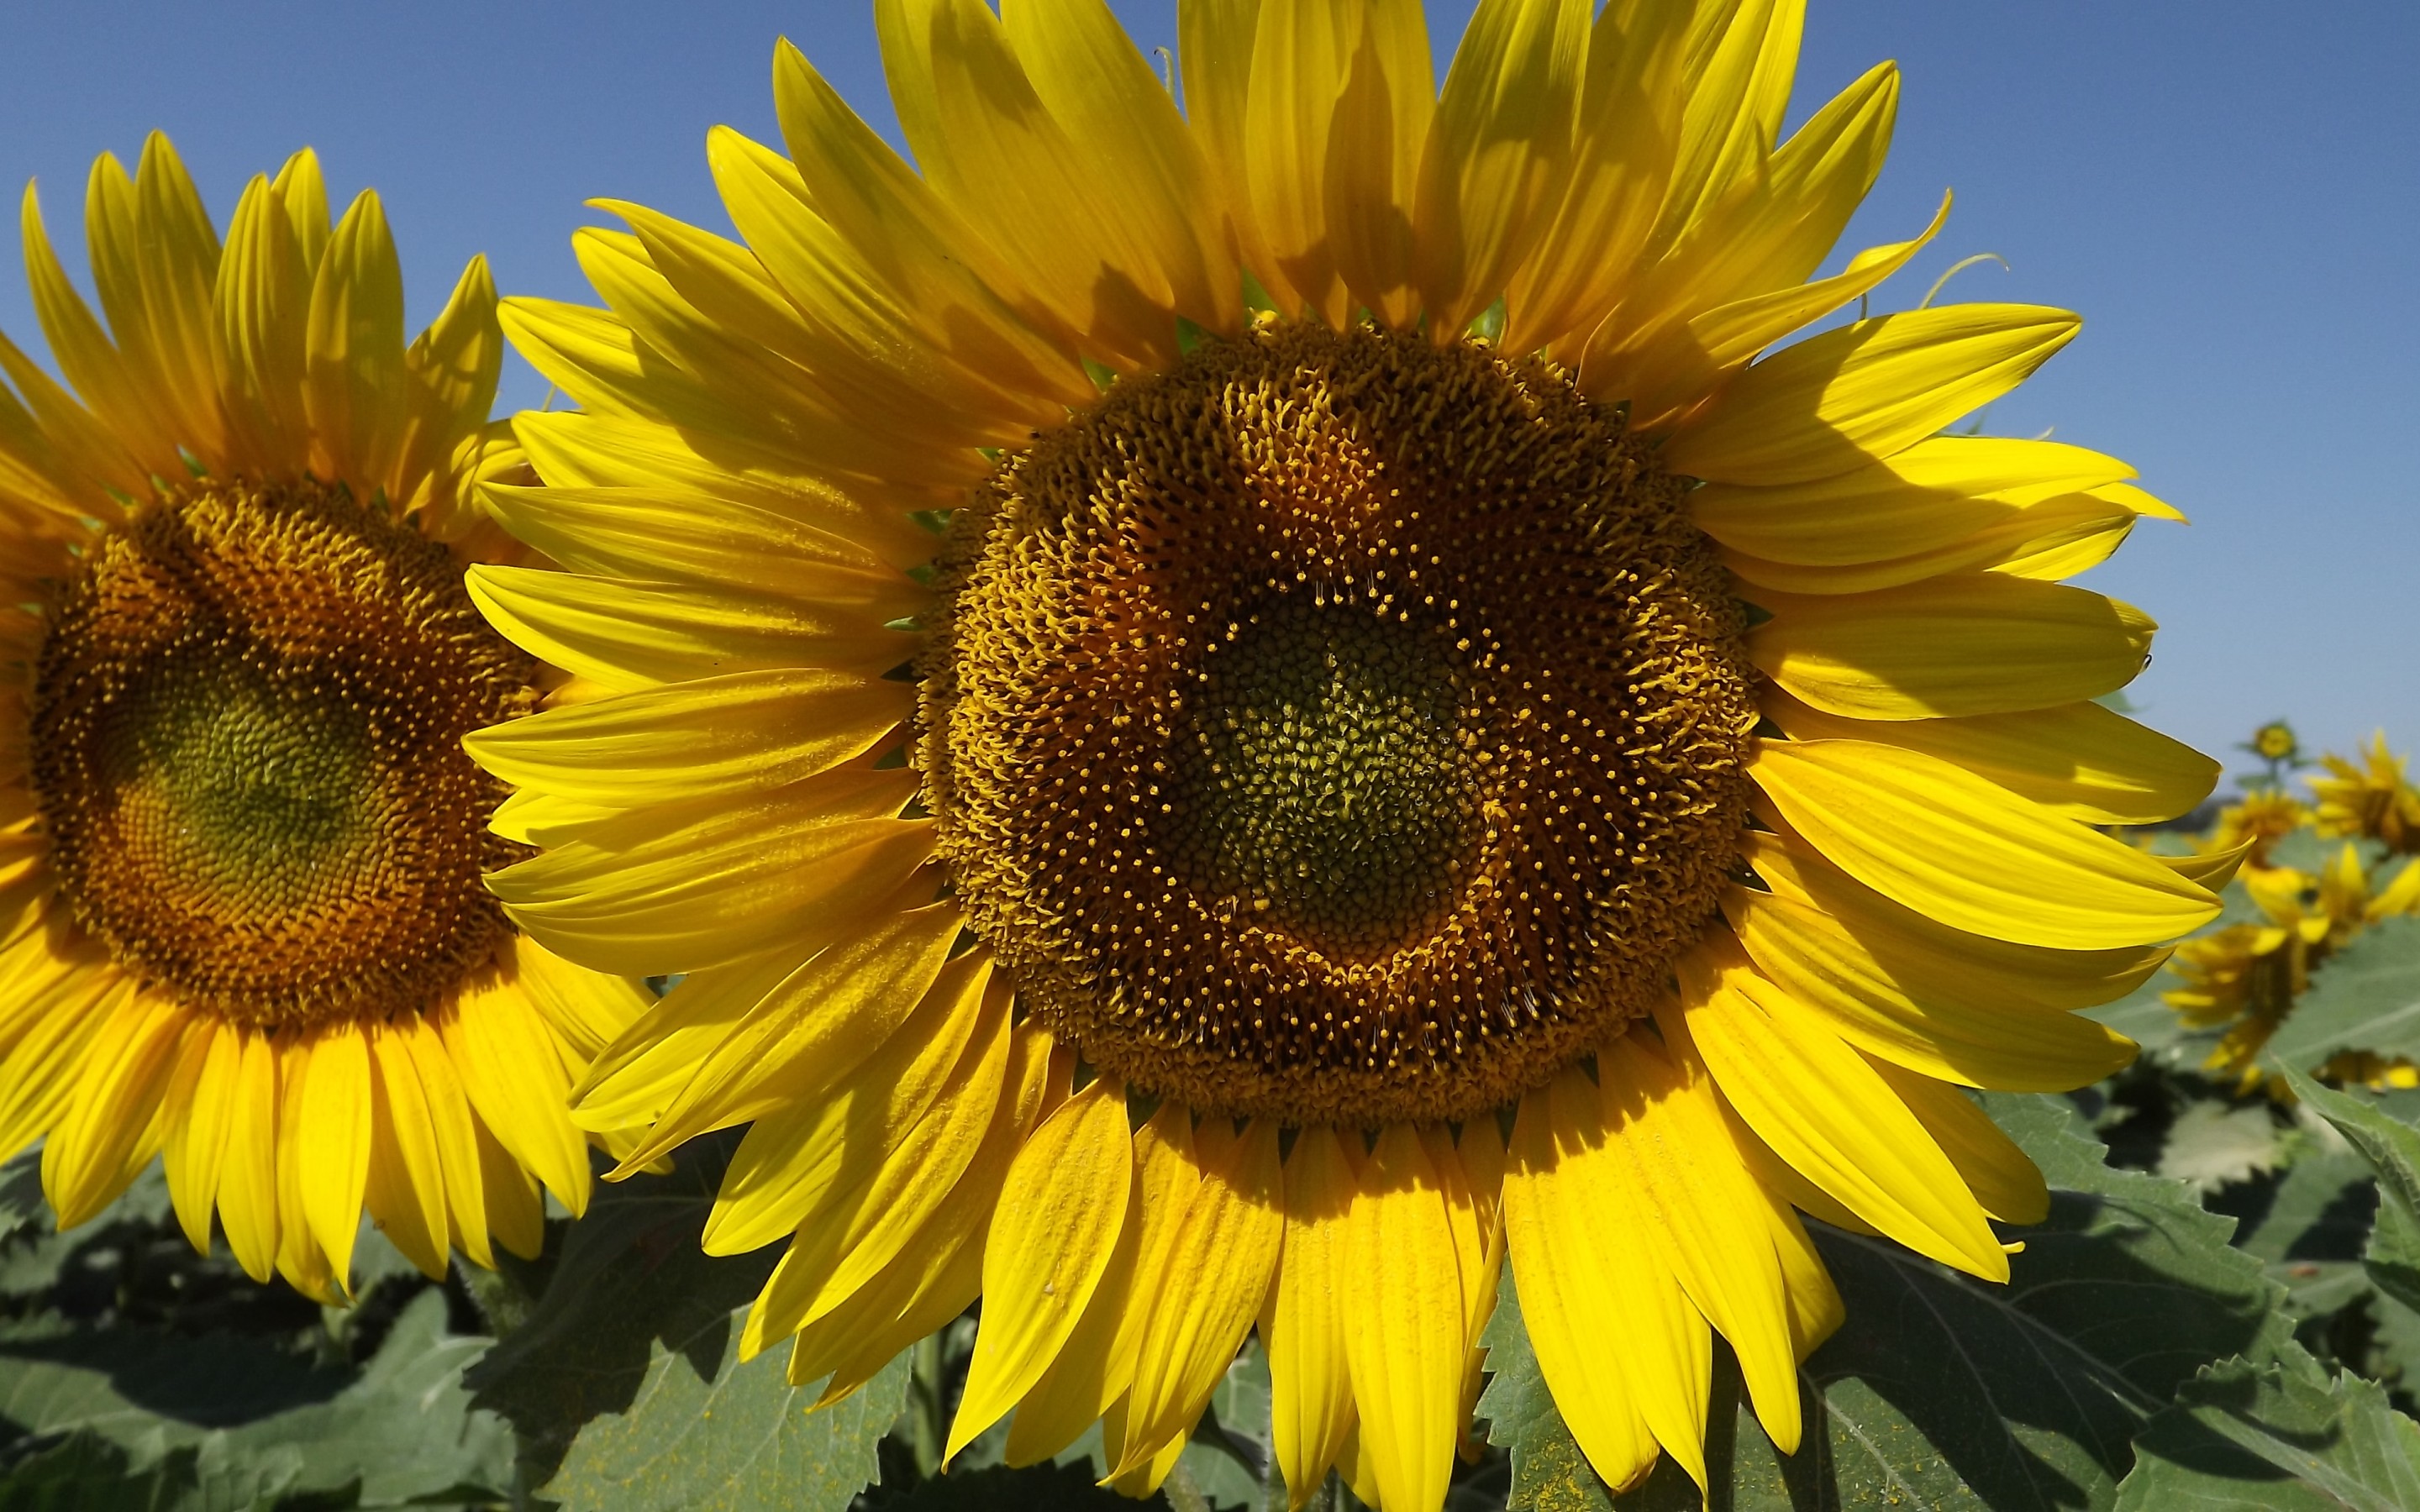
(1340, 728)
(246, 747)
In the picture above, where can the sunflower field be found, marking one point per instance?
(1261, 783)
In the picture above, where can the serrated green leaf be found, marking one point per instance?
(2391, 1147)
(86, 1473)
(2212, 1144)
(401, 1427)
(2247, 1437)
(998, 1489)
(630, 1282)
(739, 1440)
(2365, 996)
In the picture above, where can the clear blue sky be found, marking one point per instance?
(2228, 191)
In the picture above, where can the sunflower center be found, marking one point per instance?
(1320, 778)
(246, 750)
(1339, 728)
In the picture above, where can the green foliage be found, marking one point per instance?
(2366, 998)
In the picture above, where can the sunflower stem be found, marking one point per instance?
(924, 1380)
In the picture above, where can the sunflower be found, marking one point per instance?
(1242, 714)
(2373, 798)
(242, 922)
(2266, 816)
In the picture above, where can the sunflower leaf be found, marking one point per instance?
(2367, 996)
(86, 1473)
(2285, 1436)
(739, 1440)
(2391, 1147)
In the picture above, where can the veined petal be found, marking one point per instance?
(203, 1088)
(1838, 401)
(2054, 539)
(1135, 146)
(1627, 137)
(1970, 854)
(87, 357)
(355, 387)
(640, 533)
(649, 893)
(746, 732)
(1742, 60)
(1824, 1110)
(631, 635)
(1310, 1391)
(993, 152)
(1377, 139)
(450, 374)
(1694, 1196)
(248, 1195)
(1497, 153)
(2003, 1177)
(1933, 494)
(2078, 760)
(1217, 1273)
(1052, 1235)
(406, 1191)
(91, 1154)
(1958, 1026)
(518, 1086)
(1967, 643)
(335, 1066)
(1924, 952)
(1403, 1320)
(822, 1022)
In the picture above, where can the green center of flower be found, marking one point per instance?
(246, 749)
(1323, 774)
(1341, 727)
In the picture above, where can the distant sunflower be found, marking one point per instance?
(240, 916)
(2372, 798)
(1239, 716)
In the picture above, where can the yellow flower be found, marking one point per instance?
(1181, 819)
(2276, 742)
(2266, 816)
(242, 921)
(2246, 977)
(2373, 799)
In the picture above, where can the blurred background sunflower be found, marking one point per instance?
(1242, 717)
(241, 925)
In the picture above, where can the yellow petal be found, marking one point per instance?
(1311, 1391)
(1824, 1110)
(248, 1206)
(204, 1089)
(1403, 1321)
(2077, 759)
(92, 1152)
(1932, 959)
(1970, 854)
(1835, 401)
(1497, 152)
(821, 1022)
(405, 1192)
(1958, 1025)
(1697, 1204)
(1211, 1288)
(633, 635)
(2003, 1177)
(450, 380)
(1584, 1274)
(1051, 1237)
(649, 893)
(518, 1086)
(1627, 135)
(264, 303)
(455, 1130)
(1933, 494)
(354, 388)
(833, 1167)
(1377, 138)
(1134, 145)
(1738, 87)
(338, 1121)
(1969, 644)
(717, 736)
